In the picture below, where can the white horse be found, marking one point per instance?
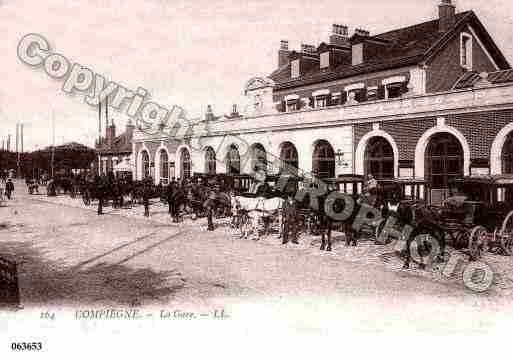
(257, 212)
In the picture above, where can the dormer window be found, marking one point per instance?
(325, 60)
(336, 99)
(372, 93)
(466, 51)
(292, 103)
(394, 86)
(294, 69)
(321, 98)
(355, 93)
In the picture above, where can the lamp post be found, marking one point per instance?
(339, 155)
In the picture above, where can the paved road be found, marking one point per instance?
(72, 257)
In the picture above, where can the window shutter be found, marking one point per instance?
(312, 102)
(283, 106)
(381, 92)
(298, 104)
(328, 100)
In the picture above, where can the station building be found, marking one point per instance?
(430, 102)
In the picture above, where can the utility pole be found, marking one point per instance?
(53, 142)
(9, 143)
(18, 170)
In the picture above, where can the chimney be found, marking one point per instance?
(111, 133)
(209, 115)
(339, 35)
(235, 112)
(362, 32)
(308, 49)
(283, 53)
(129, 129)
(447, 15)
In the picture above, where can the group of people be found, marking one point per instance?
(8, 187)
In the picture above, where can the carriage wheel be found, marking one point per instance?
(506, 234)
(478, 242)
(420, 250)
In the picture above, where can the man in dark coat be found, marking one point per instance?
(9, 188)
(101, 188)
(170, 192)
(146, 196)
(289, 220)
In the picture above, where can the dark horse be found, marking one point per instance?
(218, 203)
(351, 214)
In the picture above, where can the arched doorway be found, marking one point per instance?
(210, 161)
(379, 158)
(145, 164)
(258, 158)
(507, 155)
(323, 162)
(444, 162)
(185, 164)
(289, 159)
(163, 167)
(233, 161)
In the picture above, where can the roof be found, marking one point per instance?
(70, 146)
(120, 144)
(470, 79)
(407, 46)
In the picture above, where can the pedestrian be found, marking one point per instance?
(290, 220)
(101, 187)
(146, 197)
(9, 188)
(170, 191)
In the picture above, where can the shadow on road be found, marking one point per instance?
(45, 282)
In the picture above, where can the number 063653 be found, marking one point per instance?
(24, 346)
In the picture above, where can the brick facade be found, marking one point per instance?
(480, 129)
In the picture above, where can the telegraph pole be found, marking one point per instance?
(53, 141)
(18, 171)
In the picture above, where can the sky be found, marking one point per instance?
(186, 53)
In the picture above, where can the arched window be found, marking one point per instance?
(323, 163)
(379, 158)
(507, 154)
(145, 160)
(259, 157)
(444, 162)
(164, 167)
(289, 159)
(210, 161)
(185, 162)
(233, 160)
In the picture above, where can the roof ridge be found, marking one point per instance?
(463, 13)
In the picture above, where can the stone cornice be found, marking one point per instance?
(429, 105)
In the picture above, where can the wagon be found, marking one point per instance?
(483, 206)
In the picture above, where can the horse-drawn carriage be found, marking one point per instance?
(480, 211)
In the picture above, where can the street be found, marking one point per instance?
(71, 257)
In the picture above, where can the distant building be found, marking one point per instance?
(113, 149)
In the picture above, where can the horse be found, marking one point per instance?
(256, 211)
(218, 204)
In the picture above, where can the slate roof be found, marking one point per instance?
(471, 78)
(407, 46)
